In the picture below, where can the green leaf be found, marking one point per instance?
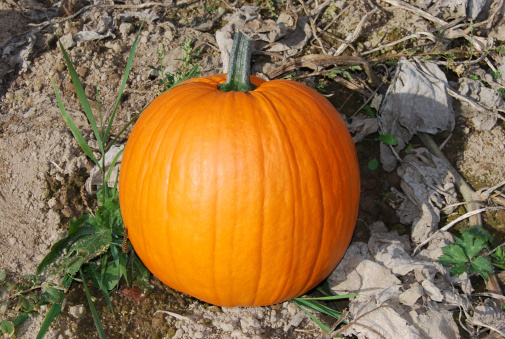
(96, 318)
(73, 128)
(388, 139)
(318, 307)
(373, 164)
(72, 265)
(369, 111)
(51, 295)
(61, 246)
(498, 258)
(53, 313)
(478, 232)
(323, 327)
(81, 95)
(138, 273)
(496, 75)
(471, 246)
(123, 84)
(332, 297)
(92, 245)
(458, 269)
(3, 275)
(502, 92)
(111, 167)
(109, 216)
(21, 318)
(454, 256)
(25, 304)
(98, 279)
(481, 266)
(7, 327)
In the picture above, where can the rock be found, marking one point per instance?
(67, 41)
(77, 311)
(125, 28)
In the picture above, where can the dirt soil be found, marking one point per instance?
(42, 168)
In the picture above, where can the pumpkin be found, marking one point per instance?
(240, 198)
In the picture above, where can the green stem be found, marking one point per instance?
(239, 73)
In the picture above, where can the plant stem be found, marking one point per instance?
(239, 72)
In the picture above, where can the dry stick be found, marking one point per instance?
(341, 81)
(175, 315)
(454, 222)
(337, 16)
(429, 35)
(472, 103)
(313, 27)
(356, 32)
(334, 327)
(488, 21)
(455, 33)
(336, 38)
(316, 60)
(478, 323)
(408, 7)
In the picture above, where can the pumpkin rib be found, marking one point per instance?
(337, 149)
(295, 183)
(322, 226)
(305, 142)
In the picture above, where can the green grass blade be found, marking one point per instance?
(21, 319)
(111, 167)
(332, 297)
(53, 313)
(81, 95)
(96, 318)
(123, 83)
(99, 280)
(325, 328)
(73, 128)
(124, 128)
(318, 307)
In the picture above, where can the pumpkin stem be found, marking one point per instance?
(239, 72)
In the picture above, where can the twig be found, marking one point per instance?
(316, 60)
(313, 27)
(342, 81)
(56, 165)
(490, 295)
(338, 15)
(442, 145)
(338, 322)
(336, 38)
(454, 222)
(488, 21)
(408, 7)
(22, 292)
(429, 35)
(485, 194)
(354, 322)
(472, 103)
(175, 315)
(478, 323)
(496, 248)
(454, 33)
(368, 100)
(355, 34)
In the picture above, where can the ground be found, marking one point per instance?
(42, 168)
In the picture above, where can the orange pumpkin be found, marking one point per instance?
(240, 198)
